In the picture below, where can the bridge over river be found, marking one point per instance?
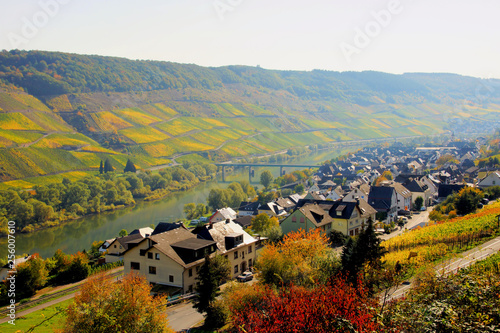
(255, 165)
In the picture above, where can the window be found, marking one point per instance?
(190, 289)
(235, 269)
(135, 265)
(152, 270)
(150, 255)
(157, 256)
(250, 249)
(236, 255)
(294, 218)
(171, 278)
(114, 246)
(190, 272)
(249, 262)
(302, 220)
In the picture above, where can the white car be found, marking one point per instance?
(245, 276)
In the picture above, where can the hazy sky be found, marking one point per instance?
(460, 36)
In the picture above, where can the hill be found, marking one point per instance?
(78, 109)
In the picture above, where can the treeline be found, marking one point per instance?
(44, 73)
(48, 205)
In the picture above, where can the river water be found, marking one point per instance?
(79, 234)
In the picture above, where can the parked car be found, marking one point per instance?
(245, 276)
(484, 201)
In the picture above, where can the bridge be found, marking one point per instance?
(254, 165)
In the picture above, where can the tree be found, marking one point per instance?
(266, 178)
(130, 167)
(365, 250)
(217, 198)
(31, 276)
(200, 210)
(101, 168)
(214, 272)
(299, 188)
(300, 259)
(419, 201)
(107, 166)
(125, 306)
(263, 222)
(123, 233)
(190, 210)
(467, 200)
(335, 307)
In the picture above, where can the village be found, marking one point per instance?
(384, 184)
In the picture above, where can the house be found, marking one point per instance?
(350, 217)
(121, 244)
(104, 246)
(403, 197)
(419, 188)
(491, 179)
(248, 208)
(286, 203)
(144, 232)
(346, 217)
(244, 221)
(4, 271)
(308, 217)
(358, 193)
(335, 194)
(223, 214)
(171, 258)
(314, 196)
(232, 242)
(383, 199)
(272, 209)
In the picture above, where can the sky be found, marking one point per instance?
(394, 36)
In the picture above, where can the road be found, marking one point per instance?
(183, 316)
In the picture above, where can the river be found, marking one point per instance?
(79, 234)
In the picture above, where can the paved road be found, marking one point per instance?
(183, 316)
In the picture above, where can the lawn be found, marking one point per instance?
(23, 324)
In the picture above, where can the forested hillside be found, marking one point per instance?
(65, 112)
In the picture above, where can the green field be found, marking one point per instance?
(23, 324)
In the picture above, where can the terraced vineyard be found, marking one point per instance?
(118, 109)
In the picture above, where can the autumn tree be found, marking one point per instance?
(300, 259)
(335, 307)
(124, 306)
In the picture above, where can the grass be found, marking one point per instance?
(159, 149)
(25, 323)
